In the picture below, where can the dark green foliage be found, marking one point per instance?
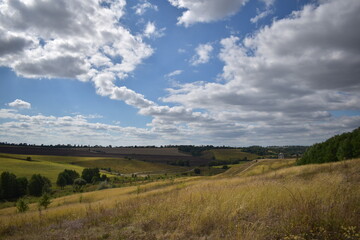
(12, 187)
(197, 171)
(44, 201)
(67, 177)
(90, 174)
(273, 151)
(8, 185)
(103, 177)
(225, 167)
(61, 181)
(38, 185)
(22, 185)
(21, 205)
(337, 148)
(194, 150)
(78, 184)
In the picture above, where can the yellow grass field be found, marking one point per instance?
(281, 202)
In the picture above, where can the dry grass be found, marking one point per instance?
(307, 202)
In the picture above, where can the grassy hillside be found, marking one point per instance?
(229, 154)
(18, 165)
(50, 166)
(281, 202)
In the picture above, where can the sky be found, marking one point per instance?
(160, 72)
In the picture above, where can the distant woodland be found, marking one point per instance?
(337, 148)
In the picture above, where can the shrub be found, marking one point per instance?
(90, 174)
(197, 171)
(44, 201)
(8, 185)
(78, 184)
(21, 205)
(38, 185)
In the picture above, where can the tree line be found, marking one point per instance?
(13, 187)
(336, 148)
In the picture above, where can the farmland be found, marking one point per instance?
(50, 166)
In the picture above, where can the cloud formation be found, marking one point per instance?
(206, 11)
(202, 55)
(18, 103)
(290, 74)
(141, 8)
(151, 31)
(69, 39)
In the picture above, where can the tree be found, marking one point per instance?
(61, 181)
(22, 185)
(8, 185)
(44, 201)
(78, 184)
(197, 171)
(90, 174)
(38, 185)
(21, 205)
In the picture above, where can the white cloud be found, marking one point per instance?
(70, 39)
(18, 103)
(174, 73)
(203, 52)
(142, 7)
(79, 129)
(261, 15)
(284, 80)
(151, 31)
(206, 11)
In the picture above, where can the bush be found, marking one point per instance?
(38, 185)
(8, 185)
(22, 185)
(44, 201)
(21, 205)
(197, 171)
(90, 174)
(78, 184)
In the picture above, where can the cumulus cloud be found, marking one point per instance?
(18, 103)
(151, 31)
(142, 7)
(70, 39)
(203, 52)
(292, 73)
(206, 11)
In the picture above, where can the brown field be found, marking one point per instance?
(154, 155)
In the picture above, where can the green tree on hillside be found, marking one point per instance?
(8, 185)
(78, 185)
(337, 148)
(61, 181)
(67, 177)
(38, 185)
(90, 174)
(21, 186)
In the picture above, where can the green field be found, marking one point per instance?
(229, 154)
(51, 166)
(18, 165)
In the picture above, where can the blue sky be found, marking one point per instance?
(142, 72)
